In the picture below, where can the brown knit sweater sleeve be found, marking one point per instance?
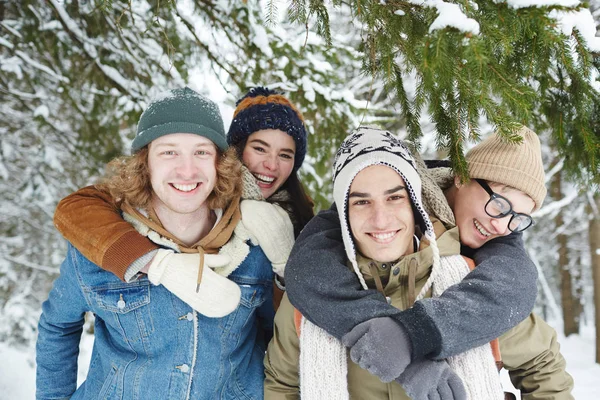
(91, 221)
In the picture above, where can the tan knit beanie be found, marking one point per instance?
(517, 165)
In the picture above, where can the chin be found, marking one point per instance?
(386, 256)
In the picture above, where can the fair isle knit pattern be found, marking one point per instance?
(371, 146)
(323, 365)
(476, 367)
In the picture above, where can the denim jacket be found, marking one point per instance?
(148, 343)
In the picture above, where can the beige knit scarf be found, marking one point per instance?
(323, 359)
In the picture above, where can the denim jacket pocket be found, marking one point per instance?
(252, 295)
(236, 323)
(123, 306)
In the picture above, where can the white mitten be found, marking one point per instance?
(178, 272)
(273, 229)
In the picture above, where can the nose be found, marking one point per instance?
(187, 168)
(379, 217)
(271, 162)
(500, 225)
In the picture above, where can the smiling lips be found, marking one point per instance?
(268, 180)
(185, 187)
(383, 237)
(481, 229)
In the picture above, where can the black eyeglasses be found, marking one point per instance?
(499, 207)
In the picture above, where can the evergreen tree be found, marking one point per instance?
(75, 76)
(463, 60)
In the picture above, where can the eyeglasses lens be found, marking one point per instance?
(497, 207)
(519, 223)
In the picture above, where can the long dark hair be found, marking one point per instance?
(300, 202)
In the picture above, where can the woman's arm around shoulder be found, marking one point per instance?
(91, 220)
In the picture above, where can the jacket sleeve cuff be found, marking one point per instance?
(137, 265)
(125, 251)
(424, 335)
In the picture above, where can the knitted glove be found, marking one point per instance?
(432, 380)
(272, 228)
(381, 346)
(217, 295)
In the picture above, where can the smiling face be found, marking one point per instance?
(269, 155)
(380, 214)
(476, 227)
(182, 173)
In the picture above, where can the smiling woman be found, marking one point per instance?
(269, 155)
(270, 137)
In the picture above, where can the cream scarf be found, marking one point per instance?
(324, 364)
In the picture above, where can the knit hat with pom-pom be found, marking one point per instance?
(263, 108)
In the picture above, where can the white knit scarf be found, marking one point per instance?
(324, 364)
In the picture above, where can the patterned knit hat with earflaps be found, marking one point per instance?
(371, 146)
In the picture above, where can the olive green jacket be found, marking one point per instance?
(530, 350)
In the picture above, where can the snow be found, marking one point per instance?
(581, 20)
(6, 43)
(12, 65)
(41, 67)
(261, 40)
(17, 370)
(539, 3)
(50, 26)
(449, 15)
(307, 86)
(6, 25)
(42, 111)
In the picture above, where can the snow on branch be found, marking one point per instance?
(90, 49)
(449, 15)
(41, 67)
(581, 19)
(31, 265)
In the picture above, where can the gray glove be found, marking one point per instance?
(432, 380)
(381, 346)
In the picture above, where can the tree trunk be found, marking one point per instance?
(594, 232)
(570, 305)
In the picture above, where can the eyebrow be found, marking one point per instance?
(176, 144)
(285, 150)
(395, 189)
(365, 195)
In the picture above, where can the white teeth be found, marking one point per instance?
(480, 229)
(264, 178)
(383, 236)
(185, 188)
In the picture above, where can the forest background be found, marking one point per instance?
(76, 74)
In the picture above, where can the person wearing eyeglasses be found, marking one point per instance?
(491, 211)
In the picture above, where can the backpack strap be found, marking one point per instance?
(297, 321)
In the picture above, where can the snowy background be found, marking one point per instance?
(72, 85)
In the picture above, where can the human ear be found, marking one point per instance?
(457, 182)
